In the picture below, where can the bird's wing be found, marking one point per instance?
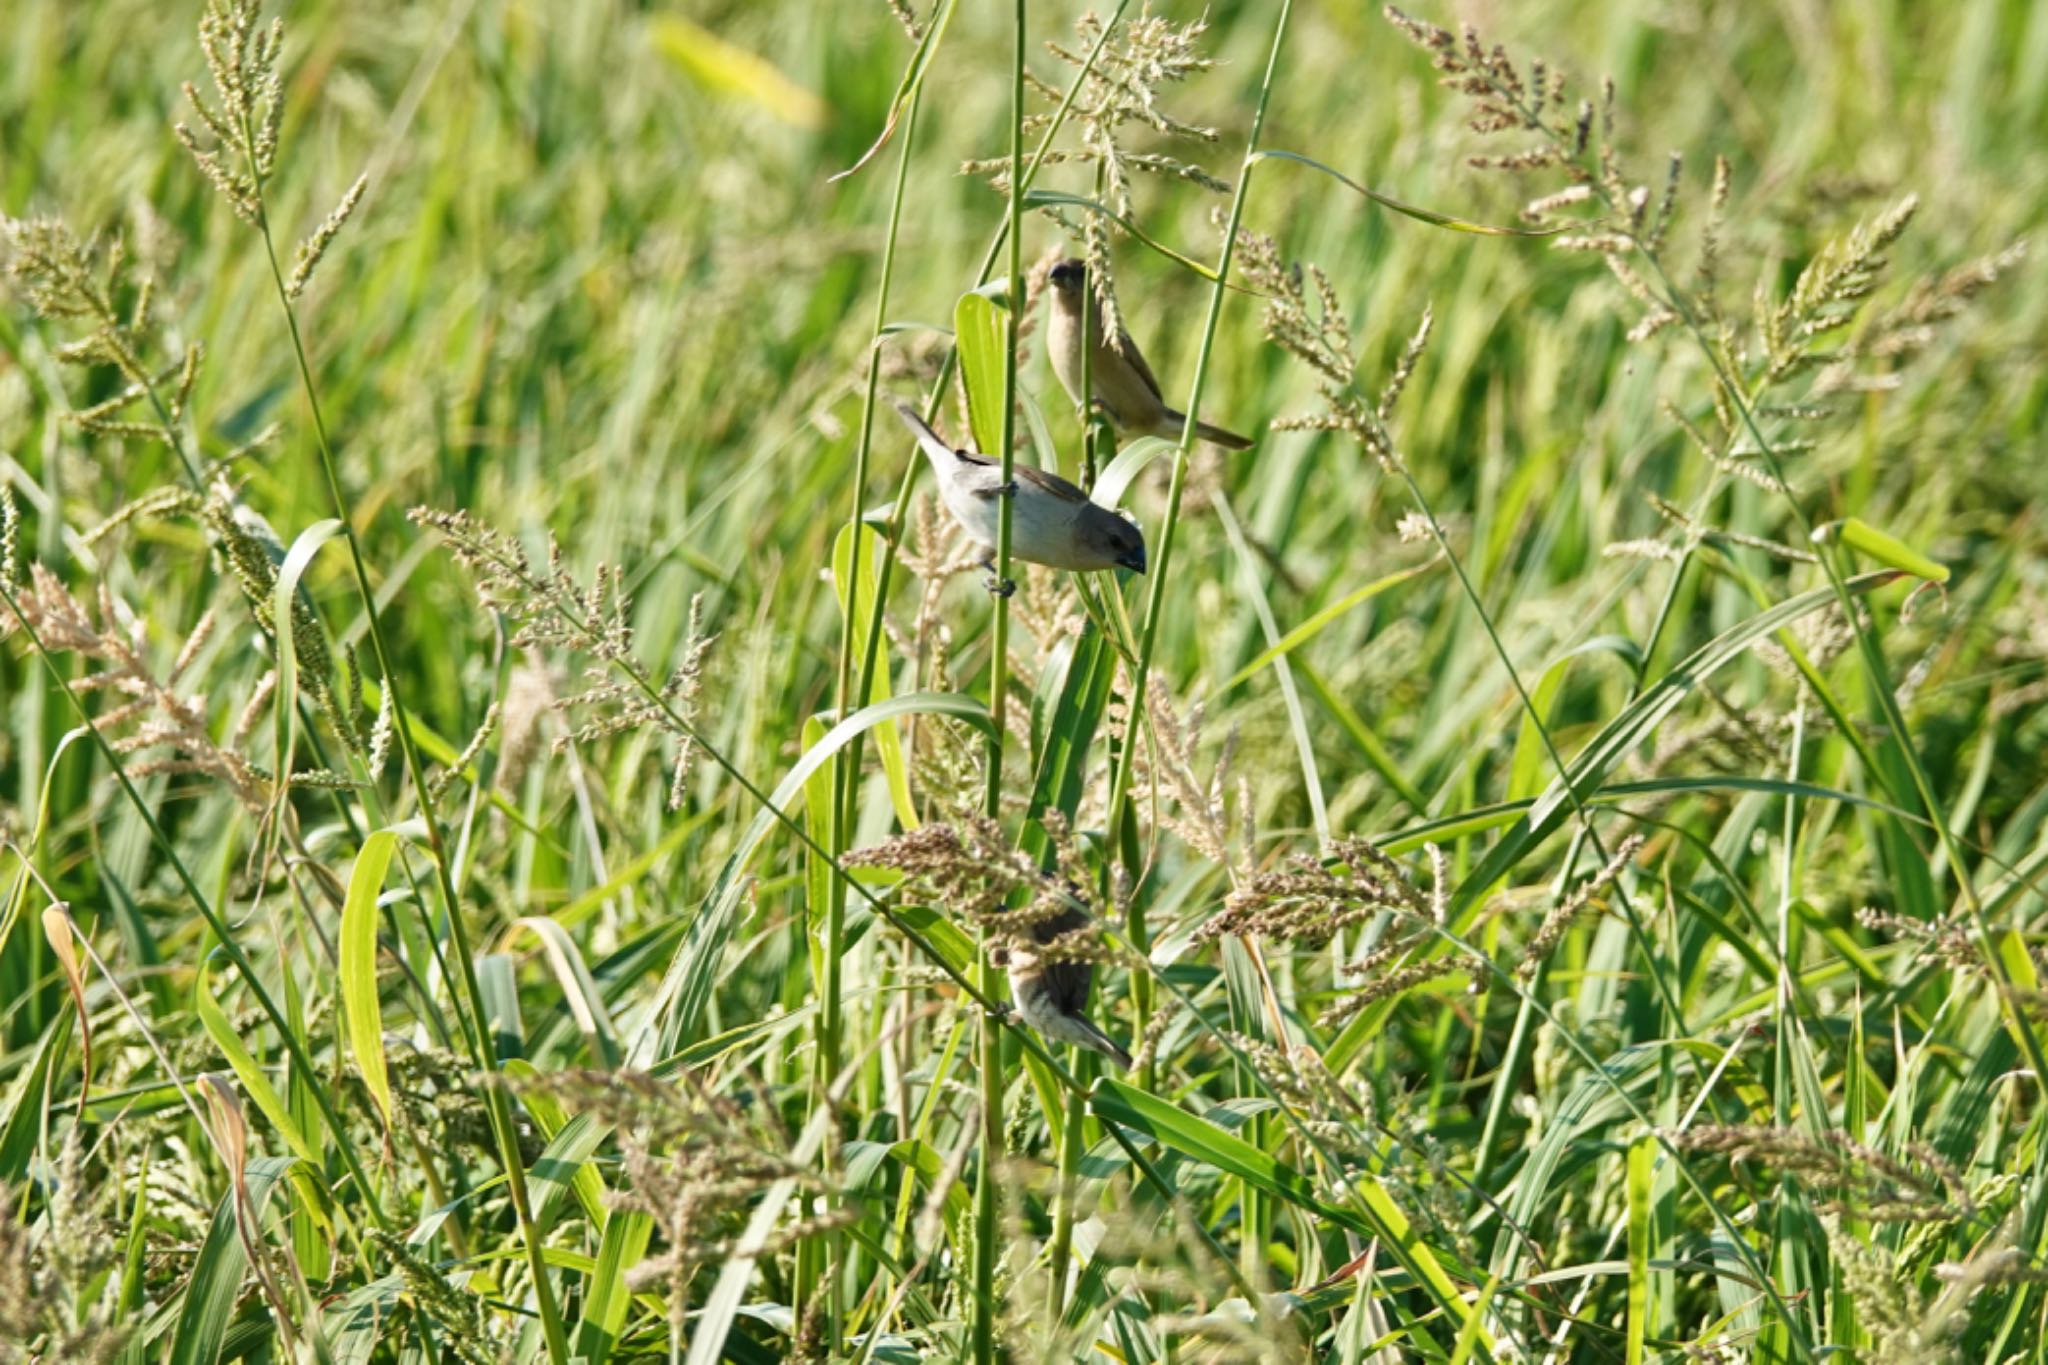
(1128, 349)
(1067, 981)
(1050, 484)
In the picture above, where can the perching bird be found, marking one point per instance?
(1051, 521)
(1118, 376)
(1052, 997)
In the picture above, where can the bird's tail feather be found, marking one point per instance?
(935, 449)
(1098, 1041)
(1216, 435)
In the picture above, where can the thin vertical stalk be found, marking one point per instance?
(831, 1031)
(991, 1040)
(872, 649)
(1066, 1193)
(1148, 637)
(1120, 786)
(496, 1101)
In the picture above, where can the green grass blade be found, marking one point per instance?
(216, 1280)
(981, 329)
(272, 1106)
(1116, 1102)
(1621, 736)
(606, 1298)
(282, 597)
(1642, 1165)
(359, 1003)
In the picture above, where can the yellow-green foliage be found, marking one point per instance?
(1603, 713)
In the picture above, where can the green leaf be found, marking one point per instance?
(1420, 215)
(261, 1091)
(606, 1297)
(591, 901)
(1642, 1165)
(1860, 535)
(1621, 737)
(818, 820)
(564, 1167)
(25, 1107)
(1472, 1334)
(1116, 476)
(578, 989)
(907, 86)
(359, 1005)
(1068, 732)
(216, 1281)
(1532, 755)
(981, 329)
(947, 938)
(282, 594)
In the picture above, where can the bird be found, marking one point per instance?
(1051, 521)
(1118, 377)
(1052, 997)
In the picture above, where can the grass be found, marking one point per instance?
(1570, 876)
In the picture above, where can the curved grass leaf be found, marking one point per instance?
(286, 698)
(687, 986)
(888, 740)
(1860, 535)
(215, 1021)
(25, 1107)
(606, 1297)
(913, 77)
(359, 1005)
(1621, 736)
(57, 930)
(980, 331)
(1082, 698)
(591, 901)
(579, 990)
(18, 897)
(1116, 476)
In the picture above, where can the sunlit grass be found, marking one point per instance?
(1568, 877)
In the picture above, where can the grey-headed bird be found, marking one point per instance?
(1118, 377)
(1051, 521)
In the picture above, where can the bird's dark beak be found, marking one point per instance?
(1134, 561)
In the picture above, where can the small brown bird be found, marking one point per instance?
(1051, 521)
(1052, 996)
(1119, 378)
